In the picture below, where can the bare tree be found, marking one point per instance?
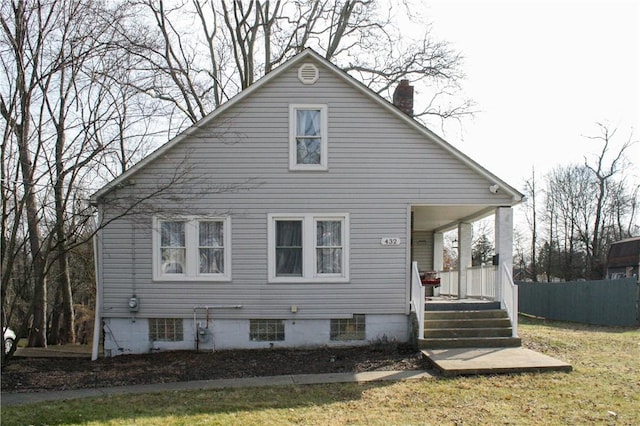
(63, 120)
(76, 115)
(482, 244)
(605, 166)
(589, 206)
(198, 54)
(547, 250)
(622, 212)
(532, 217)
(521, 257)
(569, 192)
(23, 50)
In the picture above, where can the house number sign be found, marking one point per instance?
(390, 241)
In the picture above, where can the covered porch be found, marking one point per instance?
(470, 324)
(490, 282)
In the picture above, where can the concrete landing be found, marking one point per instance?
(472, 361)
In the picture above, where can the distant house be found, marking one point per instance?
(623, 259)
(290, 216)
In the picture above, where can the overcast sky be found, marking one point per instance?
(542, 73)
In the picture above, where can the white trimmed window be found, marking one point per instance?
(308, 248)
(308, 137)
(192, 248)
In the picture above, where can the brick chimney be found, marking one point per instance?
(403, 97)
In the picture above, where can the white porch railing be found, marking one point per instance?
(448, 283)
(509, 297)
(417, 298)
(481, 282)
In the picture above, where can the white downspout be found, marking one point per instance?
(97, 322)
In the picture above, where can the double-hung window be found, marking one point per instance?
(329, 249)
(308, 137)
(190, 248)
(308, 248)
(288, 247)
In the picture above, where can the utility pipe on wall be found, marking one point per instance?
(196, 323)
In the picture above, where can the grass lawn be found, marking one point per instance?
(604, 388)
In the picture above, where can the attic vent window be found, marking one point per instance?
(308, 73)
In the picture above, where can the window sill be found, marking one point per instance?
(308, 169)
(180, 278)
(302, 280)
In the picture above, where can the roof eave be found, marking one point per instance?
(516, 196)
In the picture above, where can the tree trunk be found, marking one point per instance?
(67, 327)
(19, 121)
(38, 332)
(53, 337)
(67, 331)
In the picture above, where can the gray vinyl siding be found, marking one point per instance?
(377, 167)
(422, 250)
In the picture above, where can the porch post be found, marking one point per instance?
(464, 257)
(438, 256)
(504, 243)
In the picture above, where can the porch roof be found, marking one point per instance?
(442, 218)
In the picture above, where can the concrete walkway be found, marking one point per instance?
(288, 380)
(461, 361)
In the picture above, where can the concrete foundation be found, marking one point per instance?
(131, 336)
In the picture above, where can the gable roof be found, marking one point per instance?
(305, 55)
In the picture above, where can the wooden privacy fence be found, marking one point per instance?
(606, 302)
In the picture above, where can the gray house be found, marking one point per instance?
(298, 214)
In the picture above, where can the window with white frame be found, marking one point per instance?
(308, 137)
(308, 248)
(192, 248)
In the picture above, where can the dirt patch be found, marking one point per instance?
(37, 374)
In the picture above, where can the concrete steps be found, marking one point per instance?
(469, 325)
(470, 332)
(461, 305)
(475, 337)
